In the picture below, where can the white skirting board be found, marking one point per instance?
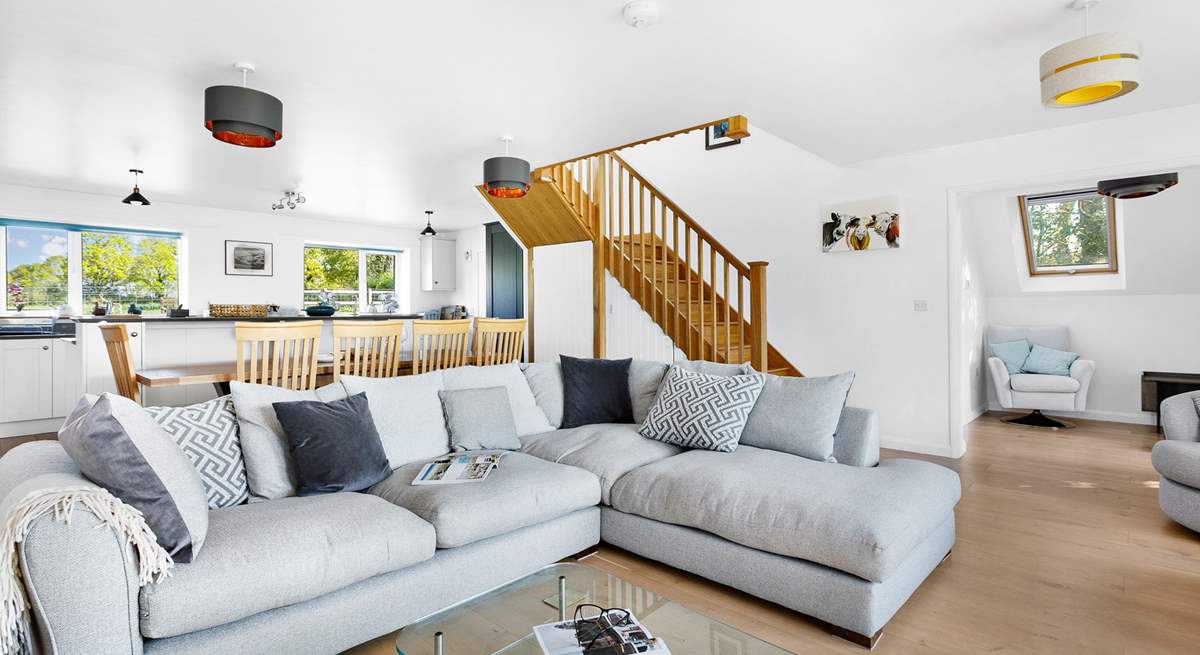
(22, 428)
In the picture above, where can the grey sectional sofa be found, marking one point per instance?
(1177, 459)
(846, 543)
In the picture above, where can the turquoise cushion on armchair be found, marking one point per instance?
(1012, 353)
(1048, 361)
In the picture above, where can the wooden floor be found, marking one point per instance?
(1061, 549)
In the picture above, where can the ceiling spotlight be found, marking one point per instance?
(640, 13)
(1091, 69)
(241, 115)
(135, 198)
(428, 231)
(506, 177)
(290, 199)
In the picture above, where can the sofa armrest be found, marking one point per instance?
(856, 441)
(1178, 461)
(81, 580)
(1000, 381)
(1082, 370)
(1180, 417)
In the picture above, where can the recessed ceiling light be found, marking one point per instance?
(1091, 69)
(640, 13)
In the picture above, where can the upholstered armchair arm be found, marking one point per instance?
(1082, 371)
(1180, 420)
(1000, 381)
(81, 580)
(1178, 461)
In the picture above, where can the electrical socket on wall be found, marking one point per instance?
(920, 305)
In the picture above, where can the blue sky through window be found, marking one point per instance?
(26, 245)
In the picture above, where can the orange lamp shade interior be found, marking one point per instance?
(507, 192)
(242, 138)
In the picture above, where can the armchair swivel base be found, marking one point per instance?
(1036, 419)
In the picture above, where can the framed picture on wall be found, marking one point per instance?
(861, 225)
(249, 258)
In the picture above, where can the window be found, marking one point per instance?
(1070, 232)
(125, 268)
(47, 265)
(36, 269)
(357, 278)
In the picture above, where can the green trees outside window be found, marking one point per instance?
(356, 278)
(1069, 233)
(129, 268)
(36, 269)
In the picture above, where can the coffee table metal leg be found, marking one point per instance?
(562, 598)
(437, 643)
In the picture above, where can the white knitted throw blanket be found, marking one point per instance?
(154, 563)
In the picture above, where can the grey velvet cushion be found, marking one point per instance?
(208, 434)
(608, 450)
(863, 521)
(269, 470)
(644, 379)
(266, 555)
(546, 382)
(117, 445)
(595, 391)
(479, 419)
(407, 413)
(1178, 461)
(695, 410)
(798, 415)
(526, 414)
(333, 446)
(523, 491)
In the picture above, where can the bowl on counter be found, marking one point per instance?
(320, 310)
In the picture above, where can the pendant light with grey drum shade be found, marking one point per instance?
(506, 177)
(428, 231)
(135, 198)
(243, 116)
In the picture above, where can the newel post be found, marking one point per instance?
(758, 316)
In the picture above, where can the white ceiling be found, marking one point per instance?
(390, 107)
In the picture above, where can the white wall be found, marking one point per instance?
(470, 285)
(205, 231)
(562, 293)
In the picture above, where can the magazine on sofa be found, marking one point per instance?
(460, 468)
(579, 638)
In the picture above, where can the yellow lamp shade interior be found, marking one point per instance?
(1089, 94)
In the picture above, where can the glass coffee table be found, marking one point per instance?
(501, 621)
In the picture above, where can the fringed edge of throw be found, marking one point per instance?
(154, 563)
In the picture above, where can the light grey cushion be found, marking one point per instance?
(117, 445)
(266, 555)
(546, 382)
(1178, 460)
(715, 368)
(695, 410)
(857, 440)
(644, 379)
(208, 434)
(408, 415)
(1036, 383)
(479, 419)
(609, 450)
(526, 414)
(863, 521)
(269, 470)
(523, 491)
(798, 415)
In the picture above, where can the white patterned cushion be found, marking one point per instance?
(208, 434)
(694, 410)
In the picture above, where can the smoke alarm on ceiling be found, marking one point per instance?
(640, 13)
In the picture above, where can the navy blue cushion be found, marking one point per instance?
(334, 446)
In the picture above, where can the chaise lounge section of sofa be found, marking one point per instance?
(846, 543)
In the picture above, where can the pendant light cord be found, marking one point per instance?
(1087, 16)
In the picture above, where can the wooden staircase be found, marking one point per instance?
(710, 303)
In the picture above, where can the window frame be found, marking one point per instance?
(1110, 268)
(363, 293)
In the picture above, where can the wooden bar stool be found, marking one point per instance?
(498, 340)
(116, 341)
(278, 354)
(368, 348)
(439, 344)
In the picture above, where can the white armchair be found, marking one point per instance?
(1039, 392)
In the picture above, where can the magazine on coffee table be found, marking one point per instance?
(563, 638)
(459, 468)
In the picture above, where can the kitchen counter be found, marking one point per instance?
(42, 335)
(125, 318)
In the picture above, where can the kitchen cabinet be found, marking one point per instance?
(26, 379)
(438, 264)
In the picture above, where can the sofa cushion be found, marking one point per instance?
(715, 368)
(526, 414)
(798, 415)
(522, 491)
(269, 469)
(695, 410)
(863, 521)
(208, 434)
(1049, 361)
(272, 554)
(644, 379)
(546, 382)
(608, 450)
(595, 391)
(407, 413)
(479, 419)
(334, 446)
(1033, 382)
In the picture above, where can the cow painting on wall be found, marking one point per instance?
(861, 225)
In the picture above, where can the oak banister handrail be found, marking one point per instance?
(665, 135)
(696, 227)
